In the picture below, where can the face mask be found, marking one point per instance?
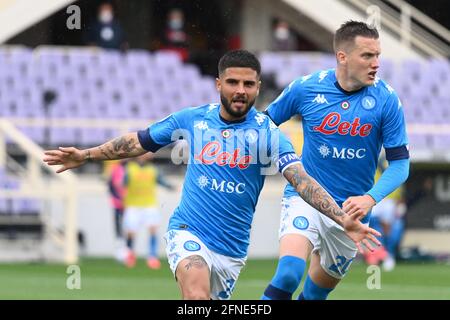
(176, 23)
(105, 16)
(282, 33)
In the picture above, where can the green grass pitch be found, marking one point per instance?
(106, 279)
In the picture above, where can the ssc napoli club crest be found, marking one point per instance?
(368, 102)
(345, 105)
(301, 223)
(191, 246)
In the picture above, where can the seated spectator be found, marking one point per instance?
(175, 37)
(283, 38)
(106, 32)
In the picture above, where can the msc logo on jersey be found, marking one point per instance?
(349, 153)
(324, 150)
(222, 186)
(191, 245)
(342, 153)
(301, 223)
(320, 98)
(368, 102)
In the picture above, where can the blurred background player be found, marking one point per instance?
(388, 218)
(116, 192)
(141, 206)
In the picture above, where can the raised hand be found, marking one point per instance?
(69, 158)
(358, 232)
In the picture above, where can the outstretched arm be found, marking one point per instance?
(126, 146)
(313, 193)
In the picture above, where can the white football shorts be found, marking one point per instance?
(224, 270)
(335, 248)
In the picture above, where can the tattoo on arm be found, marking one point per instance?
(195, 261)
(312, 192)
(126, 146)
(104, 153)
(122, 144)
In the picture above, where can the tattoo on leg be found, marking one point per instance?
(195, 261)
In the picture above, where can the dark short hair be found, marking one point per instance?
(349, 30)
(239, 59)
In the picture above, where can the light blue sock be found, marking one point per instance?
(311, 291)
(153, 246)
(286, 280)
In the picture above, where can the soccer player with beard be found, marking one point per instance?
(348, 114)
(231, 149)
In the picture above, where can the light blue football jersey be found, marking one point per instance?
(343, 131)
(225, 174)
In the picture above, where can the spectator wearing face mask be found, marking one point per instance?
(283, 38)
(175, 36)
(106, 32)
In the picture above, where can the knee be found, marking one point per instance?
(196, 294)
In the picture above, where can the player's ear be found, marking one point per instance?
(341, 57)
(218, 84)
(259, 86)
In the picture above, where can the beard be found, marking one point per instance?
(236, 113)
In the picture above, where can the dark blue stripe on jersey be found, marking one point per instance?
(397, 153)
(267, 114)
(147, 142)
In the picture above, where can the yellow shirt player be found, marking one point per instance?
(141, 206)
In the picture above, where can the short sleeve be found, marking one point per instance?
(163, 132)
(393, 123)
(287, 104)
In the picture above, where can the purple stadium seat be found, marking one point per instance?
(37, 134)
(418, 141)
(4, 205)
(25, 206)
(441, 142)
(60, 136)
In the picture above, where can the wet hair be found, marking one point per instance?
(239, 59)
(349, 30)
